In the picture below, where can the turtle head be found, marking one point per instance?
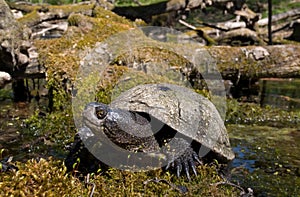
(121, 126)
(102, 119)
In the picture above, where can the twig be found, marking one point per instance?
(180, 188)
(201, 23)
(87, 181)
(187, 25)
(243, 193)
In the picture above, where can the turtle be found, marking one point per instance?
(165, 121)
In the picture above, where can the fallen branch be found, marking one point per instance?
(48, 27)
(209, 41)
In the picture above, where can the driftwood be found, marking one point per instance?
(45, 27)
(293, 15)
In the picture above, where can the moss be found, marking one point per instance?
(49, 178)
(61, 57)
(99, 12)
(61, 11)
(251, 113)
(40, 178)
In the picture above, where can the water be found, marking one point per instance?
(14, 136)
(282, 93)
(267, 159)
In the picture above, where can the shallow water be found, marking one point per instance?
(267, 159)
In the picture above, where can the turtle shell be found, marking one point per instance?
(182, 109)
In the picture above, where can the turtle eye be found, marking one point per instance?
(100, 113)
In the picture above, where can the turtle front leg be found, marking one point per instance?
(181, 156)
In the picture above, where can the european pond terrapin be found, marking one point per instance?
(171, 123)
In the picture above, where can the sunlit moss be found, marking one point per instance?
(251, 113)
(40, 178)
(49, 178)
(61, 57)
(34, 17)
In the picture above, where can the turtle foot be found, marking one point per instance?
(185, 162)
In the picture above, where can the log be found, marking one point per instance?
(240, 37)
(254, 62)
(145, 12)
(246, 62)
(249, 62)
(244, 36)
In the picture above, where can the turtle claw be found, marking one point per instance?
(186, 169)
(168, 165)
(179, 169)
(196, 157)
(192, 164)
(185, 162)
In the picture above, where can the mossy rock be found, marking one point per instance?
(61, 57)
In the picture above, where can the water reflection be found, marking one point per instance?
(282, 93)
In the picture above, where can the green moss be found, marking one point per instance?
(43, 178)
(99, 12)
(61, 56)
(50, 133)
(251, 113)
(49, 178)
